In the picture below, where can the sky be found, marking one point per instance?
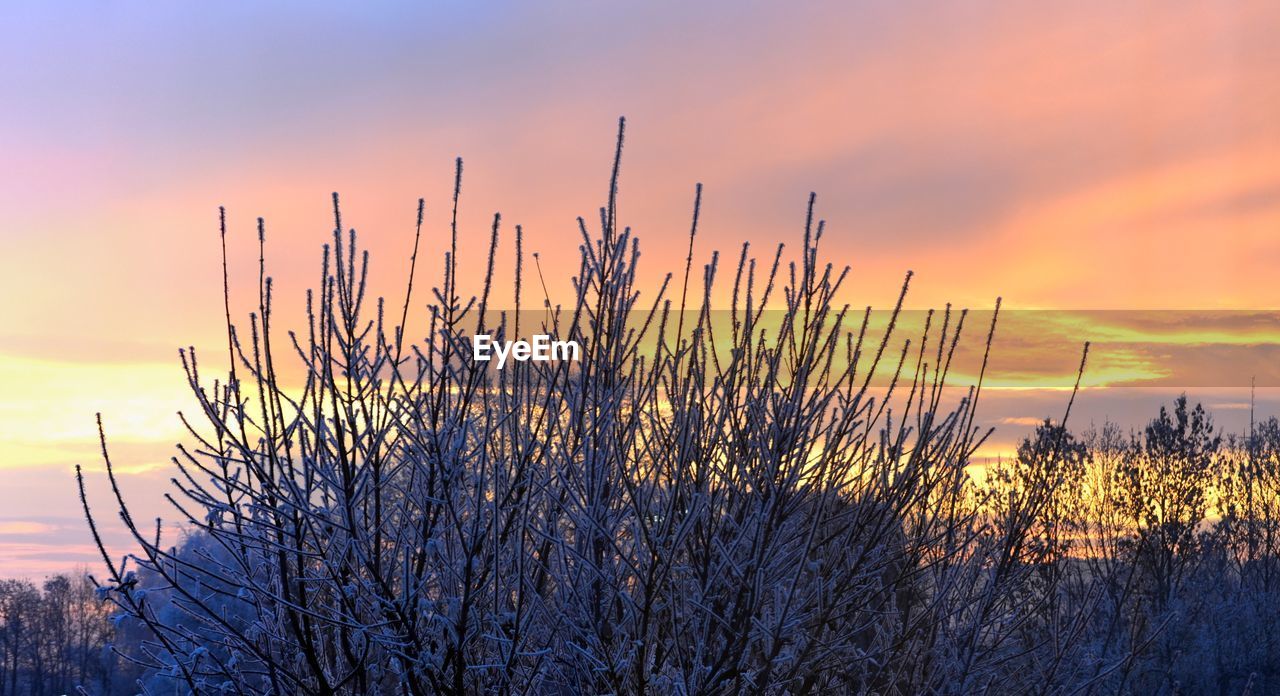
(1119, 157)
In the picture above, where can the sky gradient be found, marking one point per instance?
(1088, 156)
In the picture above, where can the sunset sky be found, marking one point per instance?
(1088, 156)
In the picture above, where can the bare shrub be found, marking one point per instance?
(695, 507)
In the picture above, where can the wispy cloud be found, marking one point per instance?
(1080, 156)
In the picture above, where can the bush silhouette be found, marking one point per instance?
(713, 500)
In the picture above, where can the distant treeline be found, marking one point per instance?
(56, 638)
